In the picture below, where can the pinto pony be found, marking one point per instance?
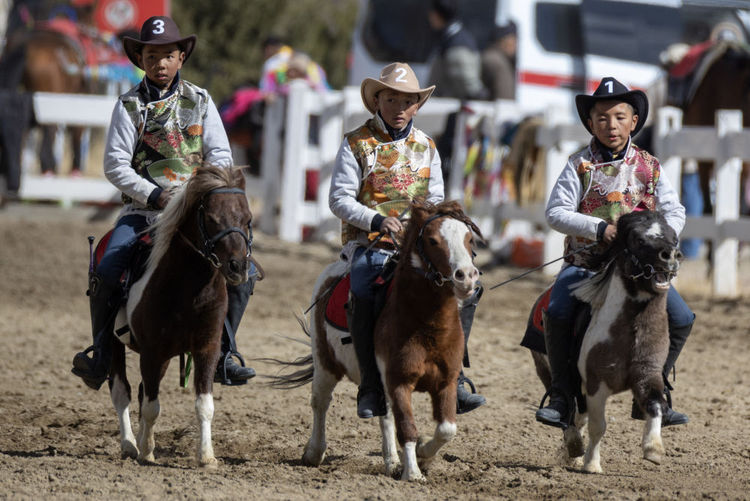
(419, 343)
(201, 241)
(627, 340)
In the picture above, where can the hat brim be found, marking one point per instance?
(133, 47)
(370, 87)
(636, 98)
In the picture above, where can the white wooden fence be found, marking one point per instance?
(288, 154)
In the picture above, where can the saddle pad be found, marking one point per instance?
(533, 338)
(101, 246)
(336, 308)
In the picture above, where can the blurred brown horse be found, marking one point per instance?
(44, 60)
(721, 82)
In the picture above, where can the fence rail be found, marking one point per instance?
(292, 148)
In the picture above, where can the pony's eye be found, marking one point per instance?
(432, 241)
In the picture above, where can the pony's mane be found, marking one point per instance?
(593, 290)
(205, 179)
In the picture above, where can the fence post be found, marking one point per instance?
(270, 163)
(727, 208)
(455, 188)
(293, 172)
(668, 121)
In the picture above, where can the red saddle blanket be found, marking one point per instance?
(533, 338)
(102, 246)
(336, 307)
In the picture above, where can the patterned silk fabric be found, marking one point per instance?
(393, 172)
(171, 139)
(611, 189)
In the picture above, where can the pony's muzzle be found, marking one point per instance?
(465, 280)
(237, 271)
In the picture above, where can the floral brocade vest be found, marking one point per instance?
(611, 189)
(170, 131)
(393, 172)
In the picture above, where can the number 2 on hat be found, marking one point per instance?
(401, 75)
(159, 27)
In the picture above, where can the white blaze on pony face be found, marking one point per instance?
(654, 231)
(463, 272)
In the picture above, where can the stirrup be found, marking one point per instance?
(221, 370)
(565, 421)
(472, 400)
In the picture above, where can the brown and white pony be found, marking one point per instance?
(419, 343)
(627, 340)
(201, 242)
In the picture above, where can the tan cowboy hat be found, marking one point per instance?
(157, 30)
(396, 76)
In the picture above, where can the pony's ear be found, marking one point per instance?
(238, 178)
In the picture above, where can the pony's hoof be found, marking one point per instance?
(209, 463)
(575, 447)
(392, 469)
(146, 459)
(592, 467)
(653, 455)
(413, 476)
(310, 458)
(128, 450)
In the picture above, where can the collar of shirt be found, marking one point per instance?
(396, 134)
(154, 93)
(609, 155)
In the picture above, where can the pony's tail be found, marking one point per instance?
(297, 378)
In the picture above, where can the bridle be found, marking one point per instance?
(208, 242)
(648, 271)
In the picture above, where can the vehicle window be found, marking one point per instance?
(558, 28)
(398, 30)
(629, 30)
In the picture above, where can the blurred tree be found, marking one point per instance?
(230, 34)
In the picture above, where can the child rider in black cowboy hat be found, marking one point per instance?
(604, 180)
(161, 130)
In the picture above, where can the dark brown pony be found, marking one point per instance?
(47, 61)
(627, 340)
(201, 242)
(419, 343)
(722, 83)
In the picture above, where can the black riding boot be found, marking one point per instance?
(228, 372)
(370, 397)
(557, 340)
(677, 338)
(468, 400)
(104, 300)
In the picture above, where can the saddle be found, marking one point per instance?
(133, 272)
(337, 307)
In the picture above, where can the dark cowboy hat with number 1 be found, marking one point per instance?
(157, 30)
(611, 90)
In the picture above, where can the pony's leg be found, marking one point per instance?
(406, 430)
(205, 366)
(597, 426)
(444, 413)
(653, 448)
(119, 391)
(323, 384)
(572, 436)
(388, 437)
(151, 373)
(76, 138)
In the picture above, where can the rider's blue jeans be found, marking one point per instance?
(121, 246)
(563, 305)
(366, 266)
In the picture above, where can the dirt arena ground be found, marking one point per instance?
(58, 439)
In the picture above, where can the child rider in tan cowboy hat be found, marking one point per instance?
(380, 167)
(161, 130)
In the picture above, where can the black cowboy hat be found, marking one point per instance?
(157, 30)
(611, 90)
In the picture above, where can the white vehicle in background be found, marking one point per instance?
(565, 47)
